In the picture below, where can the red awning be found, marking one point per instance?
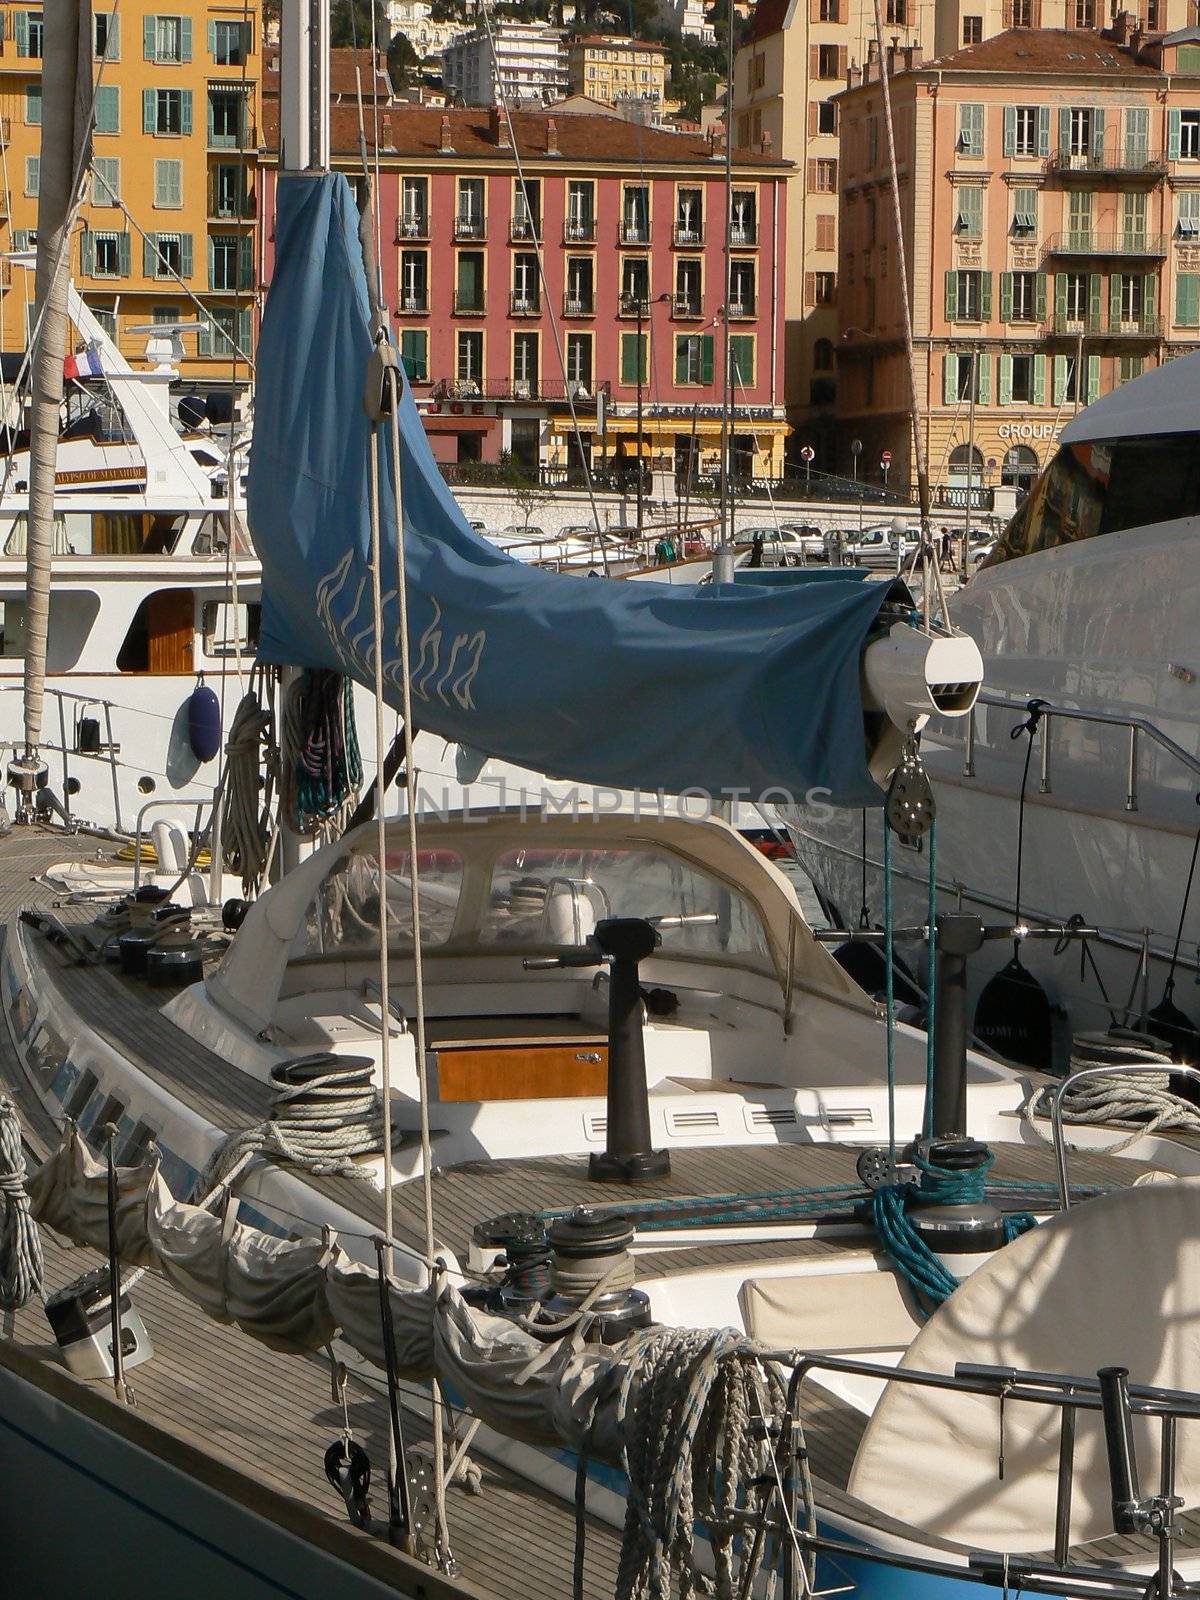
(441, 423)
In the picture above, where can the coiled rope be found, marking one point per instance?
(694, 1451)
(1141, 1101)
(247, 834)
(325, 1112)
(21, 1266)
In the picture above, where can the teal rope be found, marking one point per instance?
(889, 979)
(931, 982)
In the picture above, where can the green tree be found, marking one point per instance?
(350, 23)
(403, 62)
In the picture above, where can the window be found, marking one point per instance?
(633, 358)
(33, 166)
(897, 12)
(229, 42)
(968, 219)
(226, 331)
(972, 30)
(226, 117)
(1184, 135)
(162, 316)
(1073, 292)
(1020, 378)
(525, 363)
(1025, 131)
(167, 111)
(688, 290)
(108, 108)
(635, 214)
(525, 288)
(741, 361)
(826, 116)
(414, 280)
(579, 299)
(1079, 219)
(167, 39)
(694, 358)
(1187, 299)
(1065, 374)
(469, 358)
(579, 360)
(106, 180)
(1137, 135)
(968, 296)
(230, 260)
(167, 255)
(822, 175)
(106, 36)
(743, 210)
(1080, 125)
(970, 129)
(823, 355)
(741, 288)
(1081, 14)
(33, 104)
(1024, 204)
(1023, 14)
(414, 208)
(469, 281)
(689, 216)
(1133, 217)
(1129, 297)
(414, 353)
(229, 197)
(828, 11)
(1189, 213)
(527, 208)
(828, 61)
(581, 213)
(28, 32)
(103, 255)
(957, 370)
(635, 282)
(824, 287)
(168, 184)
(1128, 367)
(1022, 296)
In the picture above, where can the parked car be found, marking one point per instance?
(811, 538)
(877, 547)
(781, 547)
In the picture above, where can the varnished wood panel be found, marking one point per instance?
(532, 1071)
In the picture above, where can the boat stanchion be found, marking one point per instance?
(1128, 1511)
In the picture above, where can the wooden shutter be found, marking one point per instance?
(1174, 122)
(1060, 296)
(149, 110)
(1149, 299)
(1010, 130)
(21, 32)
(810, 288)
(1039, 296)
(123, 254)
(1093, 378)
(87, 254)
(812, 175)
(149, 37)
(245, 330)
(212, 38)
(814, 61)
(1006, 299)
(185, 111)
(949, 378)
(1064, 130)
(1043, 130)
(1058, 393)
(1137, 133)
(1097, 130)
(985, 297)
(1114, 302)
(842, 57)
(1094, 290)
(113, 48)
(150, 256)
(185, 255)
(1039, 380)
(246, 261)
(1004, 381)
(681, 358)
(812, 119)
(185, 38)
(706, 358)
(951, 295)
(983, 379)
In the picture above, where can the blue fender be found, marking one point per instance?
(204, 722)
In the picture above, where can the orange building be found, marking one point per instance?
(1050, 194)
(167, 232)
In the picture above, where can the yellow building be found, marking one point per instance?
(167, 231)
(611, 68)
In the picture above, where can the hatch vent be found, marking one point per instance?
(684, 1123)
(595, 1126)
(849, 1116)
(760, 1118)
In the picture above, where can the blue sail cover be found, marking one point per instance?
(731, 689)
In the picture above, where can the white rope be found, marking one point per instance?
(246, 811)
(21, 1265)
(1140, 1101)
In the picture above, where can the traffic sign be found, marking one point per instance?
(886, 458)
(807, 453)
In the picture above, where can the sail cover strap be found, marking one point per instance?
(733, 691)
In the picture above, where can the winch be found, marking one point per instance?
(959, 1231)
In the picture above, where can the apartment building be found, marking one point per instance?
(613, 69)
(528, 62)
(167, 232)
(1050, 194)
(687, 18)
(415, 20)
(628, 225)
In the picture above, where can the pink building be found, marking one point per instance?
(629, 299)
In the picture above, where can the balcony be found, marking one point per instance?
(412, 228)
(524, 230)
(1149, 166)
(743, 233)
(468, 305)
(633, 305)
(1091, 326)
(634, 231)
(524, 303)
(1080, 243)
(741, 310)
(471, 227)
(414, 305)
(685, 307)
(578, 305)
(687, 236)
(552, 389)
(579, 230)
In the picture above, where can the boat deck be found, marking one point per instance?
(258, 1421)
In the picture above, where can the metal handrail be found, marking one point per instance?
(1056, 1122)
(1136, 726)
(162, 800)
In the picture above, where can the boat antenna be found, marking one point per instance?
(66, 153)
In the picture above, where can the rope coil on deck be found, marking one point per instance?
(21, 1266)
(1140, 1101)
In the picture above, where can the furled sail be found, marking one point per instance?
(639, 686)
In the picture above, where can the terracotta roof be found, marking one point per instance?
(769, 17)
(1068, 51)
(341, 72)
(584, 139)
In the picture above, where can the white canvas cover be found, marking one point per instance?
(1113, 1282)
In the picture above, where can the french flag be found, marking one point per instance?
(84, 364)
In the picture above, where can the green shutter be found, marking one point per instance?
(1064, 130)
(212, 38)
(412, 353)
(1059, 391)
(949, 378)
(681, 359)
(33, 104)
(185, 39)
(1149, 299)
(185, 255)
(985, 297)
(1010, 130)
(149, 26)
(150, 256)
(1174, 121)
(1114, 302)
(1093, 378)
(149, 110)
(1039, 380)
(1006, 296)
(706, 359)
(741, 355)
(185, 111)
(1137, 133)
(246, 261)
(1043, 130)
(123, 254)
(1039, 296)
(212, 262)
(108, 109)
(21, 32)
(1097, 130)
(113, 51)
(204, 334)
(1005, 380)
(983, 378)
(951, 295)
(628, 358)
(87, 254)
(1187, 299)
(1095, 286)
(1060, 296)
(245, 330)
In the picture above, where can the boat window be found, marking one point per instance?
(71, 535)
(1104, 486)
(230, 629)
(213, 537)
(72, 614)
(344, 916)
(160, 635)
(556, 897)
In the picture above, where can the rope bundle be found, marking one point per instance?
(246, 831)
(325, 1112)
(322, 766)
(1141, 1101)
(695, 1451)
(21, 1265)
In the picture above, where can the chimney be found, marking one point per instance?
(1121, 27)
(445, 143)
(499, 127)
(915, 55)
(765, 143)
(551, 137)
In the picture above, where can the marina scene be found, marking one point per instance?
(599, 947)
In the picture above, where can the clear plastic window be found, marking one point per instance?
(344, 917)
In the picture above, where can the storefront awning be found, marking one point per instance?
(434, 422)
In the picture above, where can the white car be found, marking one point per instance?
(781, 547)
(878, 547)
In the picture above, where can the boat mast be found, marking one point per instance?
(723, 566)
(65, 156)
